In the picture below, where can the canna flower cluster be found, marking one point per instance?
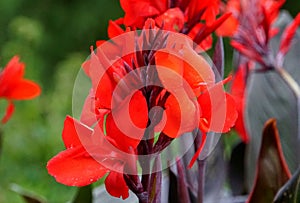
(253, 23)
(14, 87)
(194, 18)
(147, 89)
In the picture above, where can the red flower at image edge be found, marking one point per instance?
(269, 8)
(14, 87)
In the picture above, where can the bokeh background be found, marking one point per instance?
(53, 38)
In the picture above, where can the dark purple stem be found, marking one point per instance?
(145, 148)
(201, 179)
(201, 167)
(182, 187)
(156, 181)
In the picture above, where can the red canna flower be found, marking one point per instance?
(14, 87)
(219, 114)
(255, 30)
(77, 166)
(154, 83)
(179, 16)
(101, 103)
(137, 12)
(266, 10)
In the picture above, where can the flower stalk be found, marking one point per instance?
(201, 168)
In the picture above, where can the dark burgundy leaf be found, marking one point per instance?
(182, 187)
(236, 170)
(290, 192)
(272, 171)
(156, 181)
(173, 195)
(218, 59)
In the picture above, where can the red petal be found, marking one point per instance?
(172, 19)
(102, 84)
(211, 11)
(74, 167)
(9, 111)
(197, 153)
(169, 64)
(194, 9)
(217, 109)
(136, 12)
(23, 89)
(288, 35)
(116, 185)
(74, 132)
(205, 43)
(238, 91)
(114, 29)
(127, 122)
(13, 86)
(240, 126)
(208, 29)
(14, 70)
(193, 68)
(229, 27)
(247, 52)
(161, 5)
(181, 114)
(100, 42)
(92, 110)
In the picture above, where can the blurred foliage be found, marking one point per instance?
(53, 39)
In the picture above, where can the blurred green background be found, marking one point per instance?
(53, 39)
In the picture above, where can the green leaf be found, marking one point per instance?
(1, 139)
(272, 171)
(84, 194)
(28, 196)
(269, 96)
(290, 192)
